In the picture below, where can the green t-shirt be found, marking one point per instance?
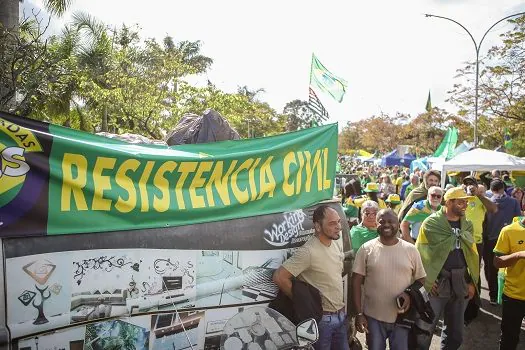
(351, 211)
(359, 235)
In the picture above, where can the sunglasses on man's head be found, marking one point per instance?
(435, 195)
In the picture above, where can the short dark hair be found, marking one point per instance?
(349, 189)
(385, 212)
(470, 179)
(497, 185)
(431, 172)
(319, 213)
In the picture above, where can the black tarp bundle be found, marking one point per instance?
(209, 127)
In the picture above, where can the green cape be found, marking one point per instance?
(435, 242)
(415, 195)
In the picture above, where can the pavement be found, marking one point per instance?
(482, 333)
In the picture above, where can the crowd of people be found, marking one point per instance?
(417, 250)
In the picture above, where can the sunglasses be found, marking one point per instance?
(369, 213)
(434, 195)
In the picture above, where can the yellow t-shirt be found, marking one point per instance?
(399, 183)
(512, 240)
(476, 214)
(358, 202)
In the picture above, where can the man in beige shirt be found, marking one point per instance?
(319, 262)
(386, 266)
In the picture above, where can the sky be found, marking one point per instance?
(390, 54)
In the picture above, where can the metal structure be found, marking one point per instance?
(477, 46)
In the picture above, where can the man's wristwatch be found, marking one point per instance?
(360, 314)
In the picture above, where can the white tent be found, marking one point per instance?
(480, 159)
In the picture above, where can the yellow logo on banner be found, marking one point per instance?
(13, 167)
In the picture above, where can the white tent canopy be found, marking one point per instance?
(480, 159)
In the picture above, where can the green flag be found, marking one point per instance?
(326, 81)
(428, 107)
(507, 139)
(447, 146)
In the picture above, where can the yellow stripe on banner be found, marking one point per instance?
(22, 136)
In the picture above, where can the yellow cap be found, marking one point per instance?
(372, 187)
(393, 198)
(457, 193)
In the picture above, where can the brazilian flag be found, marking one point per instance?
(507, 140)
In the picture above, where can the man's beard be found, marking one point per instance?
(460, 213)
(332, 236)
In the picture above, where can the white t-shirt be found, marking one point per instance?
(388, 271)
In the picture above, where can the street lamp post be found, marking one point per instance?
(477, 47)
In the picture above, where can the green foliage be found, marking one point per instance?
(383, 133)
(501, 105)
(298, 115)
(98, 79)
(501, 90)
(57, 7)
(95, 78)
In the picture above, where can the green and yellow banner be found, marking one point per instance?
(56, 180)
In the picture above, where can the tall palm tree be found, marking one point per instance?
(9, 15)
(188, 53)
(94, 52)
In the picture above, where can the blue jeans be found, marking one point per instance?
(379, 332)
(332, 332)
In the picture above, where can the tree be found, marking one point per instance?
(298, 115)
(249, 93)
(9, 15)
(9, 23)
(25, 63)
(249, 118)
(96, 78)
(383, 133)
(501, 87)
(426, 131)
(10, 11)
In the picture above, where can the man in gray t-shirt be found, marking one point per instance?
(319, 262)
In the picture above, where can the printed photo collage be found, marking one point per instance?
(48, 291)
(194, 329)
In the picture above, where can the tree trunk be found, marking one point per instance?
(105, 120)
(9, 12)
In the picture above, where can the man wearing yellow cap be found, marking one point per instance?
(393, 202)
(371, 193)
(450, 258)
